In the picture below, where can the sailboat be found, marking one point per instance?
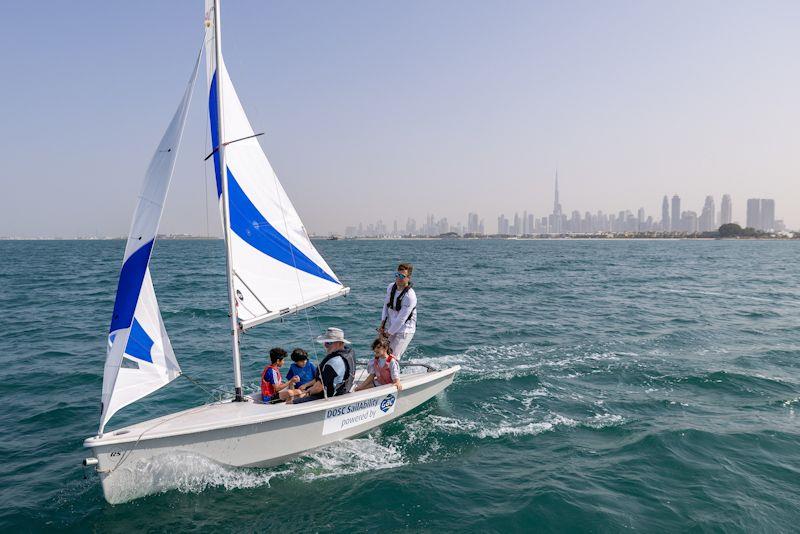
(273, 269)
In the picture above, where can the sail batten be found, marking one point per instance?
(275, 263)
(139, 357)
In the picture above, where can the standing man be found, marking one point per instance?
(399, 317)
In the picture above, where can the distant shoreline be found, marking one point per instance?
(795, 237)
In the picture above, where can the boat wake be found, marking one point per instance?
(347, 458)
(430, 435)
(185, 472)
(192, 473)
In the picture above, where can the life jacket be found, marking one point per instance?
(384, 374)
(349, 359)
(267, 389)
(397, 304)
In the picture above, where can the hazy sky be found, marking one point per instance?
(379, 109)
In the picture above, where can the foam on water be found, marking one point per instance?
(192, 473)
(347, 458)
(187, 473)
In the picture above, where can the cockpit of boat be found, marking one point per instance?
(407, 369)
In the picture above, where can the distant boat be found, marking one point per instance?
(272, 270)
(333, 238)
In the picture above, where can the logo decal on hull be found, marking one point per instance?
(357, 413)
(387, 403)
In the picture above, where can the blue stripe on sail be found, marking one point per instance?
(140, 345)
(247, 222)
(212, 115)
(253, 227)
(129, 286)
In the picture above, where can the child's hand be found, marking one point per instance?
(295, 379)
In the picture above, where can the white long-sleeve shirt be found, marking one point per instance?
(396, 320)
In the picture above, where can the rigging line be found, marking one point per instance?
(204, 387)
(294, 263)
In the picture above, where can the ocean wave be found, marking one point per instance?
(507, 362)
(425, 428)
(757, 384)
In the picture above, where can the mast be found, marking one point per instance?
(223, 169)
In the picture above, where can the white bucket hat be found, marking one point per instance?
(332, 335)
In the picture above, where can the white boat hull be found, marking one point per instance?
(249, 434)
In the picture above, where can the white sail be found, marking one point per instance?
(276, 269)
(140, 358)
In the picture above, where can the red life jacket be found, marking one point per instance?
(383, 374)
(267, 389)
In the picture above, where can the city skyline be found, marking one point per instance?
(375, 110)
(760, 215)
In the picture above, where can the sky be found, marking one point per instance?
(378, 109)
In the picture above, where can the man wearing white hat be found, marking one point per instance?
(336, 371)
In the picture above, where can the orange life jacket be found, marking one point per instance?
(267, 389)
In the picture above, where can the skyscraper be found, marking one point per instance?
(665, 225)
(754, 213)
(676, 214)
(761, 213)
(768, 214)
(689, 221)
(556, 226)
(575, 222)
(502, 225)
(726, 211)
(472, 223)
(708, 215)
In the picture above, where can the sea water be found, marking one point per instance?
(605, 386)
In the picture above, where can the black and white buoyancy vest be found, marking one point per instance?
(395, 305)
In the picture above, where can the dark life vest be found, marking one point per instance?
(397, 304)
(348, 356)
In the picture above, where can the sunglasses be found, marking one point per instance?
(401, 276)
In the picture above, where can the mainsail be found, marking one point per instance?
(275, 268)
(140, 358)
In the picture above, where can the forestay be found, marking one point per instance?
(275, 268)
(140, 358)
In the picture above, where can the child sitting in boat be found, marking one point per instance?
(272, 385)
(383, 368)
(301, 368)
